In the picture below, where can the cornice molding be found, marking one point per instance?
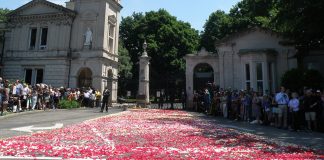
(33, 3)
(58, 19)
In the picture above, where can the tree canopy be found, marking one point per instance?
(125, 68)
(217, 26)
(168, 39)
(303, 22)
(3, 12)
(298, 20)
(245, 14)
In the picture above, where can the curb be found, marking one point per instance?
(115, 106)
(20, 113)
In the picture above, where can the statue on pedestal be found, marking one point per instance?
(88, 37)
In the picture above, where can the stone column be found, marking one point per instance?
(253, 76)
(274, 78)
(144, 76)
(221, 70)
(189, 84)
(265, 71)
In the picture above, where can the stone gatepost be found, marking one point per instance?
(144, 78)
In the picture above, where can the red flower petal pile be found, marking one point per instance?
(150, 134)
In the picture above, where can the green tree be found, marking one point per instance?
(3, 13)
(245, 14)
(301, 21)
(250, 13)
(313, 79)
(217, 27)
(296, 79)
(125, 67)
(169, 40)
(293, 80)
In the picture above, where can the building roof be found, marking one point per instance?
(244, 32)
(45, 2)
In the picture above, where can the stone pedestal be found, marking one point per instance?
(144, 78)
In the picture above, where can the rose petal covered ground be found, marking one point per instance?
(150, 134)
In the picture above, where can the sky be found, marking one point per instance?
(196, 12)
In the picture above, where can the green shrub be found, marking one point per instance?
(66, 104)
(296, 79)
(293, 79)
(313, 79)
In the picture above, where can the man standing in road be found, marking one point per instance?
(105, 100)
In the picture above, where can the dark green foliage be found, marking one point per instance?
(125, 69)
(3, 13)
(293, 79)
(301, 21)
(67, 104)
(313, 79)
(168, 39)
(245, 14)
(217, 27)
(297, 79)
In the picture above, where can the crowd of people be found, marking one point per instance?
(284, 109)
(18, 97)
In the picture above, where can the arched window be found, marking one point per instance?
(85, 78)
(110, 74)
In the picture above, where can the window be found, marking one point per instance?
(34, 75)
(28, 76)
(259, 77)
(32, 41)
(247, 76)
(85, 78)
(111, 38)
(43, 40)
(39, 75)
(111, 30)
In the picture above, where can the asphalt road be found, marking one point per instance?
(47, 119)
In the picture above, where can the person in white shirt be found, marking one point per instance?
(34, 95)
(25, 97)
(294, 108)
(86, 98)
(282, 100)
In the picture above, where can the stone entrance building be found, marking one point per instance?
(254, 58)
(72, 46)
